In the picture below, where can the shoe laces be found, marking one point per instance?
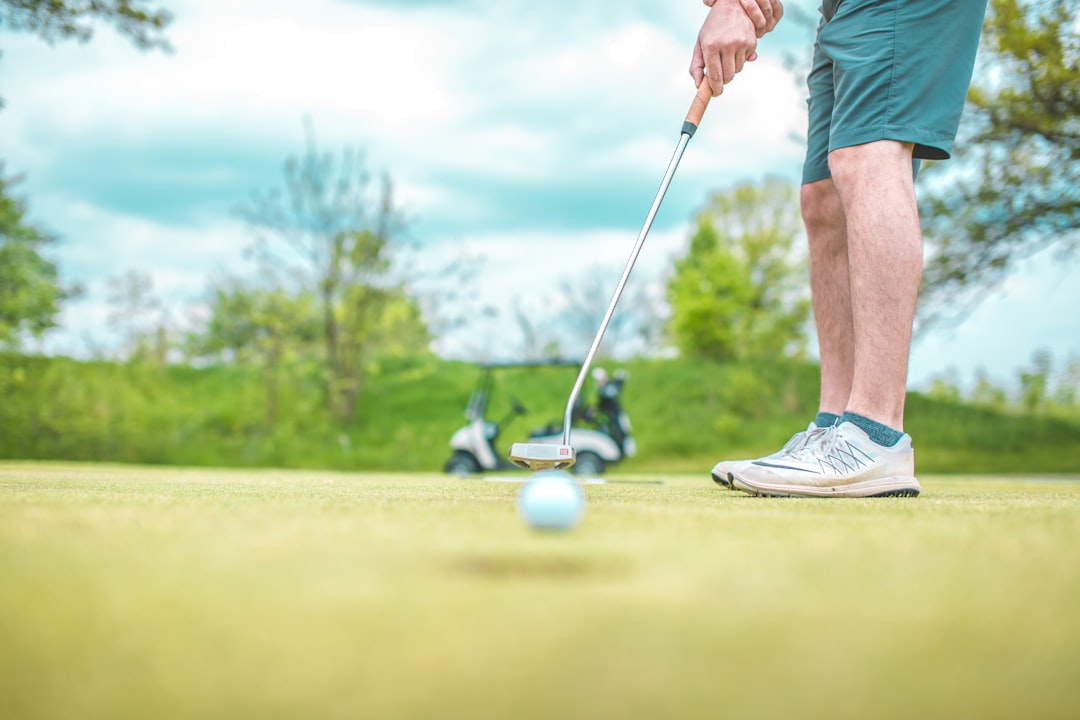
(811, 439)
(818, 438)
(838, 453)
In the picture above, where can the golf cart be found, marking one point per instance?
(601, 433)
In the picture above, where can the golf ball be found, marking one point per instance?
(551, 500)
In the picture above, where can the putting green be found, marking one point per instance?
(158, 592)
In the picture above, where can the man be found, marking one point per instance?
(887, 88)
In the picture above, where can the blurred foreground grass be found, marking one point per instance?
(149, 592)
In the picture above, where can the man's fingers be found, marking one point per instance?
(763, 13)
(697, 65)
(728, 39)
(777, 12)
(721, 62)
(715, 72)
(773, 11)
(758, 16)
(768, 9)
(729, 64)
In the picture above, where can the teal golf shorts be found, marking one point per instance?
(890, 70)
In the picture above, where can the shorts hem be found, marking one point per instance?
(815, 173)
(929, 145)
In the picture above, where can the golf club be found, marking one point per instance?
(547, 456)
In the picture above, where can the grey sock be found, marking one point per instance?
(883, 435)
(824, 419)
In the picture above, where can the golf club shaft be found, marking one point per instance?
(693, 118)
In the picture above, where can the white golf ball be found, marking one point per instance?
(551, 500)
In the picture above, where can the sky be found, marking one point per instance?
(528, 138)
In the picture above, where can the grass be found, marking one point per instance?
(133, 592)
(687, 414)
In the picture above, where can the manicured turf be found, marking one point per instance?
(148, 592)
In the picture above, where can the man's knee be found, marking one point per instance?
(820, 207)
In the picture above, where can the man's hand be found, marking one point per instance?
(763, 13)
(727, 40)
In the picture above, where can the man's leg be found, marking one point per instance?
(826, 233)
(876, 189)
(866, 454)
(823, 217)
(898, 91)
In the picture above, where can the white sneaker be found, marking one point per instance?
(722, 471)
(844, 462)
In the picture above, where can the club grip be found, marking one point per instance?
(697, 107)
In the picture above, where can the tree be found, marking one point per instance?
(30, 290)
(946, 386)
(1015, 189)
(1035, 381)
(342, 230)
(539, 341)
(273, 329)
(1067, 391)
(988, 394)
(739, 292)
(30, 286)
(585, 300)
(399, 328)
(564, 323)
(262, 326)
(54, 20)
(138, 316)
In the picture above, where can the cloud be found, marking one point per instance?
(454, 90)
(518, 129)
(526, 271)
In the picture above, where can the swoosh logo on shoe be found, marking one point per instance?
(785, 467)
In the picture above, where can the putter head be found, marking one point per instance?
(542, 456)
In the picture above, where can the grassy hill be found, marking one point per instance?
(686, 414)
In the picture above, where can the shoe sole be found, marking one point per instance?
(897, 486)
(724, 481)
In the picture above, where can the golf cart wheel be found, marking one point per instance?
(462, 463)
(588, 463)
